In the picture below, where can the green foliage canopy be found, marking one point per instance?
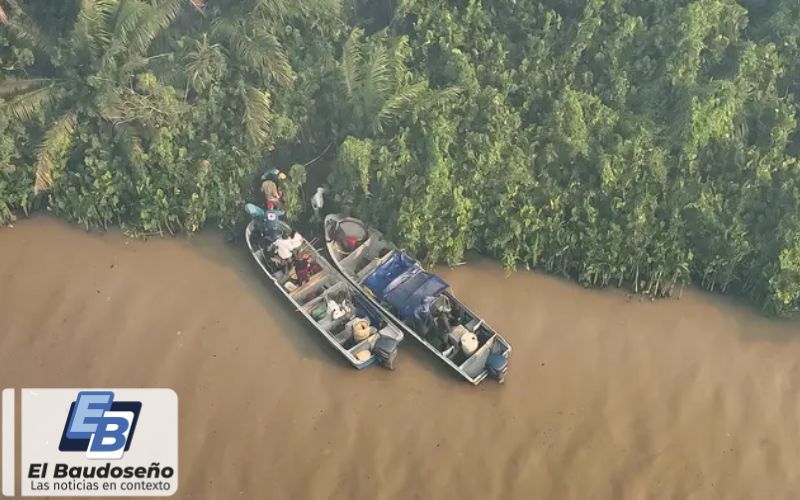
(645, 143)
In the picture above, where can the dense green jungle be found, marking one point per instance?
(647, 144)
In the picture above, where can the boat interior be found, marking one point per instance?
(329, 300)
(446, 331)
(365, 258)
(444, 334)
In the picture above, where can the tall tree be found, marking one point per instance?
(88, 75)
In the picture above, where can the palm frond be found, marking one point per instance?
(401, 101)
(257, 115)
(443, 95)
(398, 52)
(321, 8)
(254, 46)
(13, 86)
(3, 16)
(205, 64)
(264, 52)
(328, 8)
(91, 29)
(53, 152)
(223, 28)
(352, 60)
(377, 78)
(278, 11)
(25, 30)
(157, 18)
(128, 15)
(28, 105)
(275, 10)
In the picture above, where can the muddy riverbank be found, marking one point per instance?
(608, 397)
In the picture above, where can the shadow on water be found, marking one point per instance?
(412, 349)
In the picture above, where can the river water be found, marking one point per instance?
(608, 396)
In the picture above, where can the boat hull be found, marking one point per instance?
(331, 222)
(257, 255)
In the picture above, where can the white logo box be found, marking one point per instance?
(148, 468)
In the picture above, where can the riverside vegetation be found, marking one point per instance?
(639, 143)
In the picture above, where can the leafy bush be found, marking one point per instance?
(628, 142)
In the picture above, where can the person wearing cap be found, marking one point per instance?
(269, 185)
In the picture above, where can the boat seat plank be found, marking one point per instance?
(364, 343)
(372, 266)
(476, 363)
(324, 295)
(355, 254)
(308, 284)
(329, 324)
(343, 336)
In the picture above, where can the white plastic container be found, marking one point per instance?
(360, 330)
(469, 344)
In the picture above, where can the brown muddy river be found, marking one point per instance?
(607, 397)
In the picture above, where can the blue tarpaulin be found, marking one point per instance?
(380, 279)
(403, 284)
(407, 295)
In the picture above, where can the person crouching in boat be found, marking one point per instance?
(305, 268)
(432, 320)
(269, 185)
(284, 251)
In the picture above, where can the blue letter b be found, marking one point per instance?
(103, 433)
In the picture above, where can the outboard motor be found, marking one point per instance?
(254, 211)
(497, 365)
(257, 215)
(386, 351)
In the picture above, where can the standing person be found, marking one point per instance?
(318, 201)
(269, 185)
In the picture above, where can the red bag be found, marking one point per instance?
(350, 243)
